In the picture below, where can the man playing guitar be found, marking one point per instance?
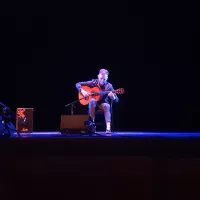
(104, 101)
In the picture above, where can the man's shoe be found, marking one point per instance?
(108, 131)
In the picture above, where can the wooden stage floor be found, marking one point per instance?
(125, 165)
(118, 143)
(117, 134)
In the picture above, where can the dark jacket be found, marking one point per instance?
(94, 83)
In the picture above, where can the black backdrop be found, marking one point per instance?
(154, 56)
(155, 59)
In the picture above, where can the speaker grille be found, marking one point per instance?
(73, 123)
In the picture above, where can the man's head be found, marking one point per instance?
(103, 76)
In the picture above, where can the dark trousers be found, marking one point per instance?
(93, 105)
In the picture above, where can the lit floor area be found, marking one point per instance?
(115, 134)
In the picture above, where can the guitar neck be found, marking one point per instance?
(101, 93)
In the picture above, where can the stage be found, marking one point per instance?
(125, 165)
(117, 143)
(116, 134)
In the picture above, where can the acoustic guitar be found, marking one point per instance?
(95, 93)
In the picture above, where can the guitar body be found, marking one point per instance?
(95, 93)
(86, 101)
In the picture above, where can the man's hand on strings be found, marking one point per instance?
(84, 93)
(111, 95)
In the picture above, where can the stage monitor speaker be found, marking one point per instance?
(73, 123)
(24, 120)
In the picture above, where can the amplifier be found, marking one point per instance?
(73, 123)
(24, 120)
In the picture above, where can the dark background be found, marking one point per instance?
(151, 50)
(155, 58)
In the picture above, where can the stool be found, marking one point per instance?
(100, 120)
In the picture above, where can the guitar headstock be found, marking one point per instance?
(120, 91)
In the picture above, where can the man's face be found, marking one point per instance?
(102, 78)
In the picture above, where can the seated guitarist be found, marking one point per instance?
(104, 102)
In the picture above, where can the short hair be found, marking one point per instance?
(103, 71)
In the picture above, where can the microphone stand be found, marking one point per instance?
(6, 119)
(72, 106)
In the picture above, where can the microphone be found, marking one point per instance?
(69, 104)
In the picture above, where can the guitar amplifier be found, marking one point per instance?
(73, 123)
(24, 120)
